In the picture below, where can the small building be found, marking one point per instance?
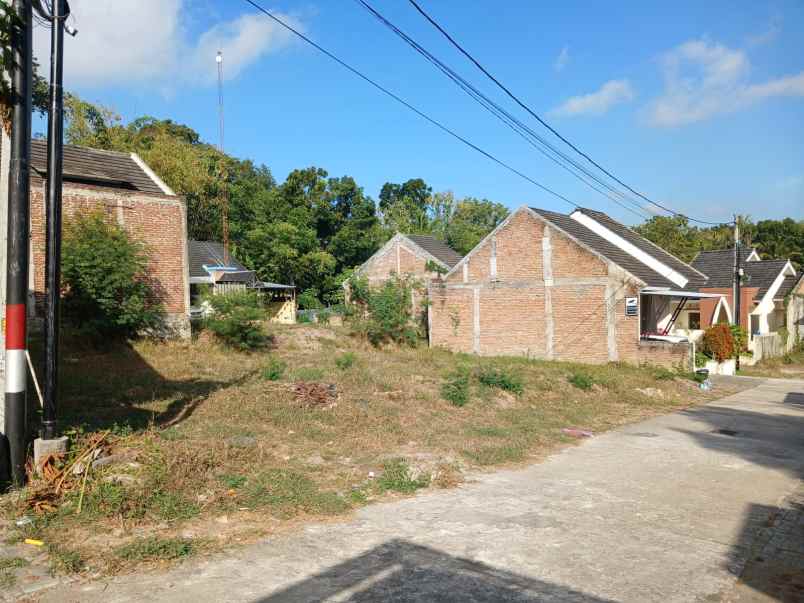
(771, 293)
(128, 193)
(210, 272)
(579, 287)
(420, 256)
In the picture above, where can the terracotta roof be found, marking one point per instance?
(93, 166)
(436, 248)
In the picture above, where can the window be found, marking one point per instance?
(694, 320)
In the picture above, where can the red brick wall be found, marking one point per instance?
(384, 263)
(747, 296)
(512, 316)
(159, 222)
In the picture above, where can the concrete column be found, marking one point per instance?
(476, 321)
(493, 259)
(547, 273)
(611, 320)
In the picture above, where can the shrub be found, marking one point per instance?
(345, 360)
(740, 336)
(308, 300)
(104, 276)
(323, 317)
(499, 378)
(581, 380)
(385, 313)
(663, 374)
(274, 370)
(236, 320)
(718, 342)
(396, 477)
(456, 389)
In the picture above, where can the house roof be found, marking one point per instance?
(788, 284)
(719, 266)
(436, 248)
(210, 253)
(608, 250)
(691, 273)
(93, 166)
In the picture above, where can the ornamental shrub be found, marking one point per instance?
(718, 342)
(104, 277)
(236, 320)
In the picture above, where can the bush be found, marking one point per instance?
(384, 313)
(396, 477)
(456, 389)
(491, 377)
(236, 320)
(104, 276)
(345, 360)
(274, 370)
(308, 300)
(581, 380)
(718, 342)
(740, 336)
(323, 317)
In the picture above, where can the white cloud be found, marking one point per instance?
(562, 59)
(613, 92)
(135, 42)
(703, 79)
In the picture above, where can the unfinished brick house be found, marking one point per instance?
(421, 256)
(578, 287)
(130, 194)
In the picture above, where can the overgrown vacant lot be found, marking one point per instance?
(789, 366)
(203, 447)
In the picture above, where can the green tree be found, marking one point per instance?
(471, 221)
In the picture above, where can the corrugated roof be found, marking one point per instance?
(93, 166)
(611, 252)
(209, 253)
(437, 249)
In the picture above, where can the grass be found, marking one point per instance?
(7, 566)
(790, 366)
(581, 380)
(176, 409)
(155, 549)
(65, 560)
(501, 379)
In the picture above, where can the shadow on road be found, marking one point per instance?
(399, 570)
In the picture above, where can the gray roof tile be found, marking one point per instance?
(93, 166)
(436, 248)
(209, 253)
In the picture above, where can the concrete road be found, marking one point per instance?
(665, 510)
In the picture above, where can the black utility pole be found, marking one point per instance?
(17, 249)
(55, 154)
(737, 281)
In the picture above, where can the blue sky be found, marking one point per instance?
(698, 104)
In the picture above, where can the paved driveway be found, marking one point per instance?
(664, 510)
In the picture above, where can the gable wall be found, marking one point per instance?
(399, 258)
(159, 222)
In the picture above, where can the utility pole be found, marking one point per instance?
(225, 200)
(737, 280)
(16, 332)
(55, 154)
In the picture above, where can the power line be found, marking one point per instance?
(402, 101)
(531, 137)
(544, 123)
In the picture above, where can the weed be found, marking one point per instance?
(7, 579)
(233, 482)
(396, 477)
(111, 499)
(495, 455)
(345, 360)
(663, 374)
(155, 549)
(490, 432)
(500, 378)
(274, 370)
(12, 562)
(581, 380)
(171, 506)
(65, 560)
(289, 492)
(456, 389)
(308, 373)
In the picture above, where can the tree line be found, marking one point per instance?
(311, 230)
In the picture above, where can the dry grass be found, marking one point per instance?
(218, 447)
(790, 366)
